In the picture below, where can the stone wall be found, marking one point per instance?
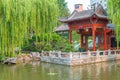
(79, 58)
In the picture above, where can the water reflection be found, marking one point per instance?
(46, 71)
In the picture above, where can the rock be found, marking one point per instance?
(23, 58)
(10, 61)
(26, 59)
(36, 55)
(19, 59)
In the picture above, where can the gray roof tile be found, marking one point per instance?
(84, 14)
(63, 27)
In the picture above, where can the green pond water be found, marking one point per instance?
(46, 71)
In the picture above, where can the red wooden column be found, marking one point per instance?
(81, 41)
(105, 39)
(86, 42)
(94, 37)
(70, 36)
(110, 41)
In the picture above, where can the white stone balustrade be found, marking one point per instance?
(79, 58)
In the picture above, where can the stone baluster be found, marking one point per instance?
(70, 55)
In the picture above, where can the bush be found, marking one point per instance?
(1, 57)
(56, 43)
(81, 49)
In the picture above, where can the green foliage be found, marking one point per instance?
(60, 43)
(68, 47)
(114, 15)
(63, 9)
(19, 17)
(56, 43)
(1, 57)
(76, 36)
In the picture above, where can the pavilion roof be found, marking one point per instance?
(76, 15)
(63, 27)
(111, 26)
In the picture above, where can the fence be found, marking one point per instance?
(79, 58)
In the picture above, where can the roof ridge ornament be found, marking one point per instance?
(79, 7)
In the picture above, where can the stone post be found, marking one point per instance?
(50, 53)
(98, 53)
(59, 54)
(53, 54)
(80, 55)
(89, 54)
(42, 53)
(70, 55)
(109, 52)
(115, 52)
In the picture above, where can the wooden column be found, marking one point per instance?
(86, 42)
(70, 36)
(110, 36)
(94, 37)
(105, 39)
(81, 40)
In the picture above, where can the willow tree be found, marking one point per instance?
(63, 8)
(17, 17)
(114, 15)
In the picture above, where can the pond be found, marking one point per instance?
(46, 71)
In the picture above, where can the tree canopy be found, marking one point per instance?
(63, 9)
(114, 15)
(19, 17)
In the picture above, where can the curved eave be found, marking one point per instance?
(101, 16)
(72, 18)
(66, 20)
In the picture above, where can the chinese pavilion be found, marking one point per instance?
(92, 22)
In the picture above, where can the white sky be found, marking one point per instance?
(71, 3)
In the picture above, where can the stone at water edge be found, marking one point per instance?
(24, 58)
(36, 56)
(10, 60)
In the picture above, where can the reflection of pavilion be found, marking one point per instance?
(88, 23)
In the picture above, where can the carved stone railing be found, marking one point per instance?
(78, 58)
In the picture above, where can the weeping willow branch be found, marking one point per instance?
(18, 17)
(114, 15)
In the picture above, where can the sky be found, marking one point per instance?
(71, 3)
